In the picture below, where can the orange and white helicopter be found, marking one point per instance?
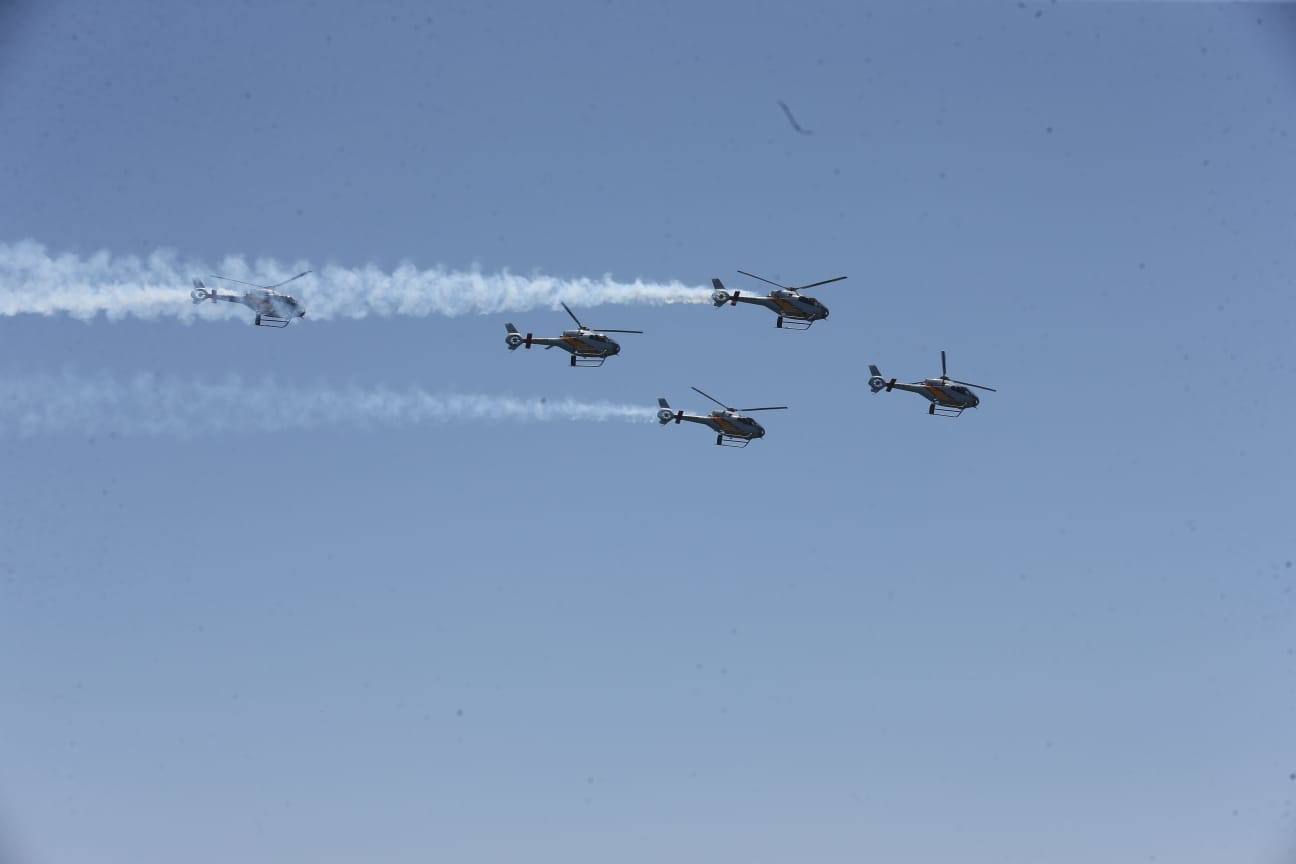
(948, 397)
(272, 308)
(795, 311)
(587, 346)
(732, 427)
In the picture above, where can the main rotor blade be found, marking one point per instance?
(286, 281)
(254, 285)
(572, 314)
(715, 400)
(977, 386)
(763, 279)
(770, 408)
(238, 281)
(606, 330)
(943, 373)
(817, 284)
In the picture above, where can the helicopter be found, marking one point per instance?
(272, 308)
(948, 397)
(588, 347)
(795, 311)
(733, 428)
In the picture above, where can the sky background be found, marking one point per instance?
(1057, 629)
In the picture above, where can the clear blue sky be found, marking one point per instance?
(1058, 629)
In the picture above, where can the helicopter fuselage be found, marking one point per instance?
(730, 424)
(271, 304)
(582, 343)
(785, 304)
(943, 393)
(790, 304)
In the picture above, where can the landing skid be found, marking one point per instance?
(272, 321)
(943, 410)
(587, 362)
(793, 324)
(731, 441)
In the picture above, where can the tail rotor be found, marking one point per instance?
(514, 339)
(876, 382)
(719, 297)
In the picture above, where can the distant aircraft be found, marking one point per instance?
(794, 310)
(948, 397)
(587, 346)
(272, 308)
(733, 428)
(787, 112)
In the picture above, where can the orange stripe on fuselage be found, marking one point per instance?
(788, 308)
(723, 424)
(941, 396)
(728, 427)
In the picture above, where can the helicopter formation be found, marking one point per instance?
(591, 347)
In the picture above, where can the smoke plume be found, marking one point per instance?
(33, 281)
(151, 405)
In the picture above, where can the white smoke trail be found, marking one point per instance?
(32, 281)
(151, 405)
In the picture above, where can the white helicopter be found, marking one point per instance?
(794, 310)
(948, 397)
(732, 427)
(272, 308)
(587, 347)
